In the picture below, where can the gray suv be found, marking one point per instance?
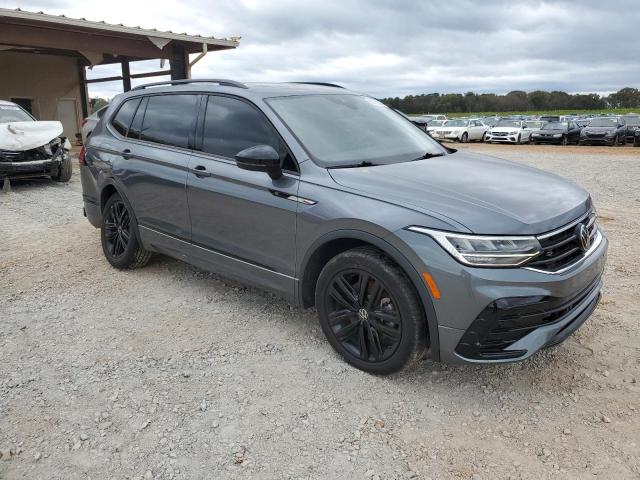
(329, 198)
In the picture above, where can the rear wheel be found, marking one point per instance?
(119, 236)
(65, 170)
(370, 312)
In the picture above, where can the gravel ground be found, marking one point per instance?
(173, 373)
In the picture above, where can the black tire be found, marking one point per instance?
(464, 138)
(119, 235)
(564, 142)
(636, 142)
(65, 170)
(392, 333)
(518, 139)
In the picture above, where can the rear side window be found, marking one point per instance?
(169, 119)
(136, 125)
(125, 114)
(231, 125)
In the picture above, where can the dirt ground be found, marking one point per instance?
(173, 373)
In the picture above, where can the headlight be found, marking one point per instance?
(484, 250)
(513, 133)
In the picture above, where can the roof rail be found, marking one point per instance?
(220, 81)
(322, 84)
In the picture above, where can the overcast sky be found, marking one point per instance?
(394, 47)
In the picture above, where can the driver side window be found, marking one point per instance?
(231, 125)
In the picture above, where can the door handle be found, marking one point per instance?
(200, 171)
(126, 154)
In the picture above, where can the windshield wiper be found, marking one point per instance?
(428, 155)
(356, 165)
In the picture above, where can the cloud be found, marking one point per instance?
(396, 47)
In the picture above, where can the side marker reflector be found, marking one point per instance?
(431, 283)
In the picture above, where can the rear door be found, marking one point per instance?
(242, 222)
(157, 157)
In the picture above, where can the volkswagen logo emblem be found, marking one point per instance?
(584, 240)
(363, 314)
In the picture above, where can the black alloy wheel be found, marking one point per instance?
(119, 235)
(363, 316)
(117, 226)
(370, 312)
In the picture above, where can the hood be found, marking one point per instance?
(485, 194)
(22, 136)
(599, 129)
(551, 130)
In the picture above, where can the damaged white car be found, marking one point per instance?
(29, 148)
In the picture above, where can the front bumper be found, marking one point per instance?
(544, 139)
(481, 309)
(597, 140)
(454, 136)
(501, 138)
(30, 168)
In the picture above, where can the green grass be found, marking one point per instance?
(612, 111)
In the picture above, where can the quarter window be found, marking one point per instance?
(123, 118)
(169, 119)
(231, 125)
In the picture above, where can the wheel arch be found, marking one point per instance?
(334, 243)
(108, 188)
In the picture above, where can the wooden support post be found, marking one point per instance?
(179, 64)
(84, 94)
(126, 75)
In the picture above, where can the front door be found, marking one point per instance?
(242, 222)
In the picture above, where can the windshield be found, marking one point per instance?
(13, 113)
(436, 123)
(508, 123)
(535, 124)
(456, 123)
(555, 126)
(603, 122)
(345, 130)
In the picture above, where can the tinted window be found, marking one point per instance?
(124, 116)
(231, 125)
(136, 125)
(169, 119)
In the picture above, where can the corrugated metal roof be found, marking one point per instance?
(18, 13)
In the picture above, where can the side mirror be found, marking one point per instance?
(261, 158)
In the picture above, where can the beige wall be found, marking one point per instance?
(44, 79)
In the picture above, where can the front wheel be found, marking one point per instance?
(65, 170)
(370, 312)
(564, 141)
(118, 234)
(464, 138)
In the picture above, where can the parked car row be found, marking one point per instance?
(550, 129)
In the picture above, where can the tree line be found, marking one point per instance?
(514, 101)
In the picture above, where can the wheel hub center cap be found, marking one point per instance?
(363, 314)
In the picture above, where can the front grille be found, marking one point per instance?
(26, 156)
(505, 321)
(499, 134)
(562, 248)
(595, 135)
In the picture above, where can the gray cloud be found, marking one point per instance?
(398, 47)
